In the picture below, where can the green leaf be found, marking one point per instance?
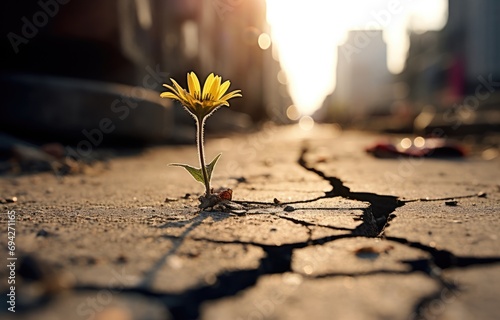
(196, 173)
(211, 166)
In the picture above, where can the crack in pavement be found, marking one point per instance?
(381, 206)
(443, 259)
(277, 259)
(186, 305)
(426, 304)
(310, 226)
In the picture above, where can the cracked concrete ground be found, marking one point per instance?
(325, 232)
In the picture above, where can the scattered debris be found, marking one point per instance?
(226, 194)
(321, 159)
(33, 159)
(121, 259)
(418, 147)
(211, 200)
(42, 233)
(83, 260)
(233, 205)
(372, 252)
(27, 157)
(41, 279)
(219, 207)
(8, 200)
(54, 149)
(208, 201)
(226, 206)
(239, 212)
(241, 179)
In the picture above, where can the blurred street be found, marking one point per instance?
(359, 176)
(318, 229)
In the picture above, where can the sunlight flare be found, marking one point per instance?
(307, 34)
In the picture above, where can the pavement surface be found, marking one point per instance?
(318, 229)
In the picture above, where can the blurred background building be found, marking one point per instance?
(363, 79)
(450, 79)
(66, 63)
(69, 64)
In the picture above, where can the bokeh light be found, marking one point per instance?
(293, 113)
(419, 142)
(406, 143)
(306, 123)
(264, 41)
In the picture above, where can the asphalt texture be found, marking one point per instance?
(318, 228)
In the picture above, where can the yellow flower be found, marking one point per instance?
(201, 103)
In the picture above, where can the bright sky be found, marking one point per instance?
(307, 34)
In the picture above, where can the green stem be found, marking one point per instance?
(200, 123)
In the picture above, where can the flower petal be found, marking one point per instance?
(232, 94)
(223, 88)
(222, 103)
(171, 89)
(190, 98)
(214, 89)
(180, 90)
(207, 85)
(169, 95)
(201, 103)
(193, 84)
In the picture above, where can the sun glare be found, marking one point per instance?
(307, 34)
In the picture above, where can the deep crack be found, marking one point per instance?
(381, 206)
(309, 226)
(278, 258)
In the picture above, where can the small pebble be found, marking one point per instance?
(241, 179)
(42, 233)
(482, 194)
(218, 207)
(233, 205)
(289, 209)
(8, 200)
(121, 259)
(276, 201)
(452, 203)
(239, 212)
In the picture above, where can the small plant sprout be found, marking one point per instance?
(201, 104)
